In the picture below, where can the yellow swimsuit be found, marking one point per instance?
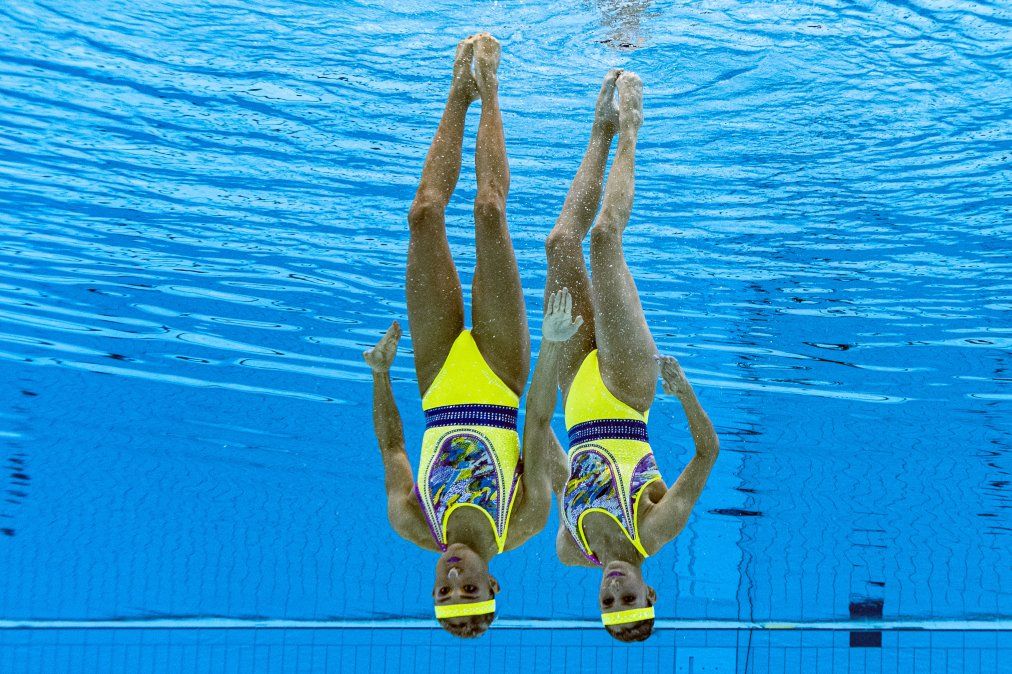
(470, 450)
(610, 460)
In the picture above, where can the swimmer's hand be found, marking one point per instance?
(673, 378)
(559, 324)
(381, 356)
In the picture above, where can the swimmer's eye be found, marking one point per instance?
(629, 598)
(471, 589)
(443, 591)
(609, 601)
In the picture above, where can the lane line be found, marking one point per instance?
(417, 624)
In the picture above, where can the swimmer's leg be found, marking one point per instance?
(435, 303)
(626, 349)
(498, 313)
(564, 246)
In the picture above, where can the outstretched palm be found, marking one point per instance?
(559, 324)
(381, 356)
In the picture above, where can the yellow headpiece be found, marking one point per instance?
(631, 616)
(472, 608)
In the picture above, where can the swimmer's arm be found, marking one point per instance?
(540, 448)
(402, 507)
(544, 458)
(667, 519)
(386, 420)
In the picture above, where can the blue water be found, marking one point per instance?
(202, 225)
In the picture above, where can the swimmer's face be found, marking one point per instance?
(623, 588)
(462, 577)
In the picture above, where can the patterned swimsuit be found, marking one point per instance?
(610, 460)
(471, 449)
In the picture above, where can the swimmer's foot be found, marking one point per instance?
(486, 63)
(463, 80)
(630, 107)
(606, 110)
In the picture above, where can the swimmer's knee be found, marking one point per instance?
(560, 241)
(489, 210)
(605, 233)
(426, 211)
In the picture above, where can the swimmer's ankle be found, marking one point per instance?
(489, 89)
(604, 128)
(464, 93)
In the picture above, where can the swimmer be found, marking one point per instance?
(474, 496)
(615, 508)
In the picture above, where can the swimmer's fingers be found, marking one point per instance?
(666, 362)
(394, 332)
(567, 312)
(673, 378)
(562, 303)
(381, 356)
(672, 371)
(559, 324)
(668, 388)
(556, 302)
(388, 343)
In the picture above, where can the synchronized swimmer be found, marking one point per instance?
(476, 494)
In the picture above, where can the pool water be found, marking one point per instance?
(203, 224)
